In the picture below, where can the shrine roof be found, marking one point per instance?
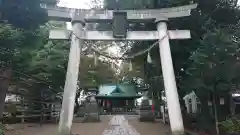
(117, 90)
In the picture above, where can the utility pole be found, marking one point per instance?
(120, 19)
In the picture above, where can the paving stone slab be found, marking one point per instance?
(119, 126)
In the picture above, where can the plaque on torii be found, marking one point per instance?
(80, 17)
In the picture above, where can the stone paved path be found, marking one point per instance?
(119, 126)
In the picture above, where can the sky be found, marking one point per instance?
(79, 4)
(75, 3)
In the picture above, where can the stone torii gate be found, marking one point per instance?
(80, 17)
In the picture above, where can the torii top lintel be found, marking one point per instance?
(65, 14)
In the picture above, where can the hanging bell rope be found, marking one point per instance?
(149, 59)
(130, 66)
(95, 59)
(112, 65)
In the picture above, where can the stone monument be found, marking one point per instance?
(146, 113)
(91, 108)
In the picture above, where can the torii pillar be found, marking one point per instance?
(174, 110)
(66, 115)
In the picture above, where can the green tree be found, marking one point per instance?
(19, 19)
(213, 68)
(12, 39)
(94, 75)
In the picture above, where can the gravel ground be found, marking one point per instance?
(150, 128)
(51, 129)
(109, 125)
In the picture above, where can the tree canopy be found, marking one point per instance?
(26, 14)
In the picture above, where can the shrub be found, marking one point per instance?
(231, 125)
(2, 129)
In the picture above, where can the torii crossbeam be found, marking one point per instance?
(80, 17)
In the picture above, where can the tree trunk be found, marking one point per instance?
(5, 75)
(205, 120)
